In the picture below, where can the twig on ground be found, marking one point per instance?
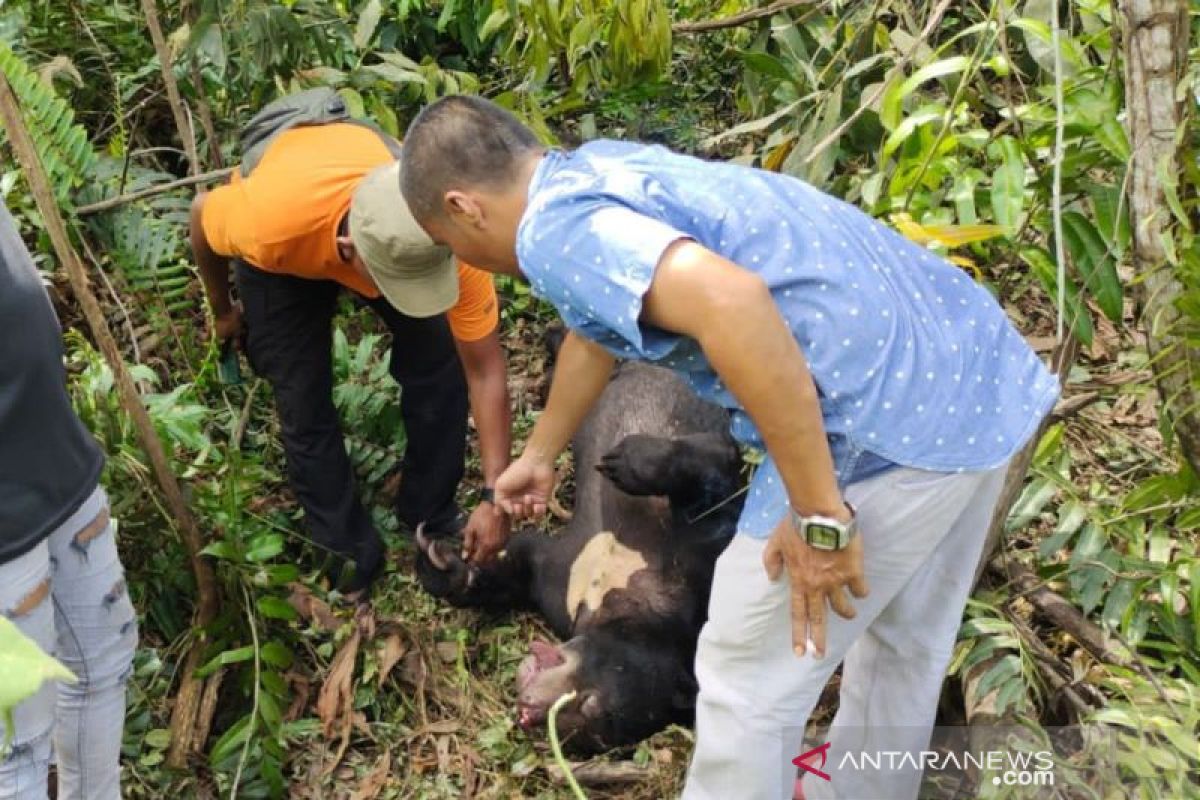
(1063, 614)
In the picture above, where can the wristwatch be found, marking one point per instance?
(825, 533)
(487, 495)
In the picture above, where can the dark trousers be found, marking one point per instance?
(288, 324)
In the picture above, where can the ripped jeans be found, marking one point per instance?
(68, 594)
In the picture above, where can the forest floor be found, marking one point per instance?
(433, 691)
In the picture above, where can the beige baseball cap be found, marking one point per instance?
(415, 275)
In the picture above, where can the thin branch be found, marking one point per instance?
(114, 202)
(186, 134)
(934, 18)
(737, 19)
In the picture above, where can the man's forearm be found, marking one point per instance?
(213, 267)
(580, 374)
(490, 407)
(487, 385)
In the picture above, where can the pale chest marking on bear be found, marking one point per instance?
(602, 565)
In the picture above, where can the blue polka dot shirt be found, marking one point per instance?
(915, 363)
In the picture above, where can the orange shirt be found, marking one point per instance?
(284, 217)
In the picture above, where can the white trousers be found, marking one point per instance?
(922, 535)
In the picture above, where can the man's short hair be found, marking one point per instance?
(460, 142)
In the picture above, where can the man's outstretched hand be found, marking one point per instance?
(818, 578)
(485, 535)
(523, 490)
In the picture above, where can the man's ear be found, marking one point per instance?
(463, 207)
(346, 244)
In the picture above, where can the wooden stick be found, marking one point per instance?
(601, 773)
(1064, 615)
(113, 202)
(738, 19)
(186, 134)
(39, 185)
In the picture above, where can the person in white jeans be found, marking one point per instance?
(61, 582)
(922, 535)
(68, 594)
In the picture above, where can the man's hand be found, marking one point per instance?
(485, 534)
(523, 489)
(229, 325)
(817, 577)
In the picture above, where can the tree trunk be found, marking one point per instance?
(1156, 45)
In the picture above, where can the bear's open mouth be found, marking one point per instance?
(542, 656)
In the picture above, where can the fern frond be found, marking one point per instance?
(62, 145)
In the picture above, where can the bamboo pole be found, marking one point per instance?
(183, 721)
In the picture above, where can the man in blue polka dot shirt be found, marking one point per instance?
(888, 389)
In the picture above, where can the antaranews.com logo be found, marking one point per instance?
(1011, 768)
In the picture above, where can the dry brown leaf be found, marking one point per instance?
(392, 651)
(300, 688)
(312, 609)
(335, 703)
(375, 780)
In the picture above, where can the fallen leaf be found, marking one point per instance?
(375, 780)
(312, 609)
(392, 651)
(335, 703)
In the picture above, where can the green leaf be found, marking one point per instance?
(766, 64)
(1095, 263)
(910, 124)
(276, 608)
(222, 549)
(1008, 183)
(23, 669)
(264, 547)
(158, 739)
(368, 21)
(1117, 603)
(1071, 516)
(276, 655)
(1111, 136)
(1033, 499)
(1078, 318)
(495, 21)
(224, 659)
(937, 69)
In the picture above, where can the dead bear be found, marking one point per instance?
(626, 584)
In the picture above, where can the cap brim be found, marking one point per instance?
(426, 294)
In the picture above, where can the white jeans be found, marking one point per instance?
(68, 594)
(922, 535)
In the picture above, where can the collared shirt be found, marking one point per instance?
(914, 362)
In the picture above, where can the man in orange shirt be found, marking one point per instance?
(319, 213)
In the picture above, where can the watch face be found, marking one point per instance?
(822, 537)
